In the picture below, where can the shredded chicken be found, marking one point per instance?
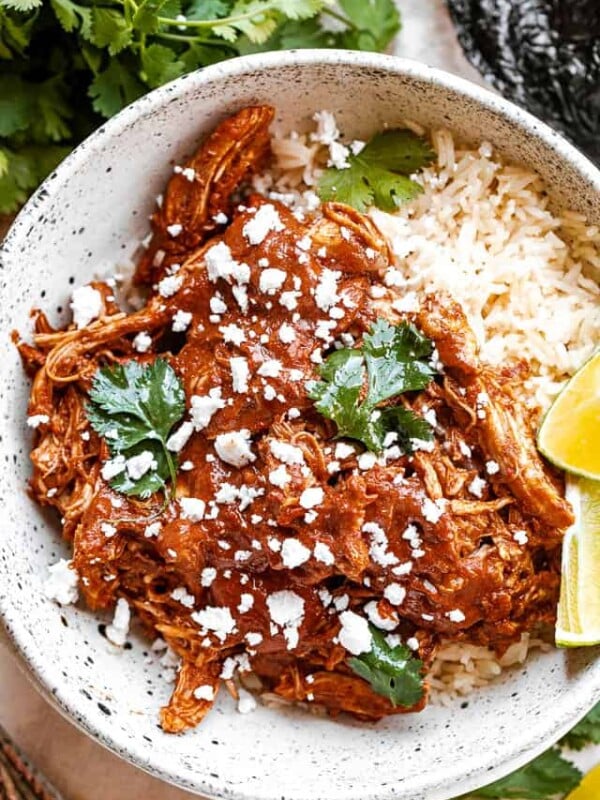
(470, 528)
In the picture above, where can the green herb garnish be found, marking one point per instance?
(393, 672)
(585, 732)
(543, 778)
(134, 407)
(378, 175)
(66, 65)
(392, 360)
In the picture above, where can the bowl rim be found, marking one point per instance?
(33, 662)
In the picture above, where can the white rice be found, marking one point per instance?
(525, 276)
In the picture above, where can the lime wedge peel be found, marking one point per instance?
(578, 619)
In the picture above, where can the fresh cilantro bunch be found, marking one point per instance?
(67, 64)
(378, 175)
(133, 407)
(393, 672)
(392, 360)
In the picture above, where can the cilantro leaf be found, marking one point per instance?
(21, 5)
(253, 18)
(546, 776)
(585, 732)
(379, 173)
(396, 361)
(207, 9)
(161, 65)
(145, 18)
(337, 397)
(24, 170)
(113, 89)
(393, 672)
(134, 407)
(374, 23)
(15, 105)
(110, 29)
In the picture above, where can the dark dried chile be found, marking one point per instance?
(543, 55)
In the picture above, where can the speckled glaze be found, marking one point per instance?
(88, 214)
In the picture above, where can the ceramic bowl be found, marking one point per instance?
(92, 212)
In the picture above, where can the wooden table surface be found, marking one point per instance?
(78, 767)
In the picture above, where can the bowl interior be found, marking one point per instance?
(91, 215)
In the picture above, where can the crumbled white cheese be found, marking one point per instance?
(117, 631)
(138, 466)
(354, 634)
(170, 285)
(366, 460)
(240, 372)
(152, 530)
(192, 508)
(394, 593)
(343, 450)
(477, 486)
(289, 300)
(204, 406)
(107, 529)
(217, 306)
(271, 368)
(521, 537)
(456, 615)
(378, 550)
(285, 452)
(286, 609)
(61, 583)
(311, 497)
(323, 554)
(233, 334)
(279, 477)
(246, 602)
(412, 643)
(287, 334)
(408, 303)
(205, 692)
(265, 220)
(383, 623)
(142, 342)
(35, 420)
(181, 321)
(492, 467)
(217, 619)
(432, 510)
(178, 440)
(253, 638)
(207, 576)
(86, 305)
(234, 448)
(174, 229)
(294, 553)
(181, 595)
(271, 280)
(326, 294)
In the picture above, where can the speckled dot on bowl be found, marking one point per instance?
(88, 214)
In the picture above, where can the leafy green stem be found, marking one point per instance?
(212, 23)
(331, 12)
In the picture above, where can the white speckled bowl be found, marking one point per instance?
(87, 214)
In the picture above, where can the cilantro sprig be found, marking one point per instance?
(585, 732)
(134, 408)
(391, 361)
(67, 64)
(393, 672)
(378, 175)
(548, 776)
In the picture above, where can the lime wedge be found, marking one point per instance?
(570, 432)
(578, 618)
(589, 788)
